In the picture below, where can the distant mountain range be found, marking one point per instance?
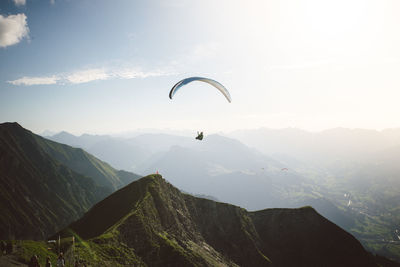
(122, 153)
(157, 225)
(45, 185)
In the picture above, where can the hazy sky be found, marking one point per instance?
(107, 66)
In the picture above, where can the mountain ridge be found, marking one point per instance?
(164, 226)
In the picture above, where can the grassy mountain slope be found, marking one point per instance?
(38, 194)
(138, 216)
(165, 227)
(45, 185)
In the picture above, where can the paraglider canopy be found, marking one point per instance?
(216, 84)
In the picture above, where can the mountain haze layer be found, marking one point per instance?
(123, 153)
(325, 147)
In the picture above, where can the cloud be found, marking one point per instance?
(129, 73)
(89, 75)
(52, 2)
(35, 80)
(13, 29)
(19, 2)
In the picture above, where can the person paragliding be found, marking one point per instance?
(199, 136)
(214, 83)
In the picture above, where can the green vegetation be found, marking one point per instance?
(46, 185)
(92, 252)
(25, 249)
(97, 252)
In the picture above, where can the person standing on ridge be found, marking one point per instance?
(60, 260)
(48, 262)
(3, 247)
(34, 261)
(9, 247)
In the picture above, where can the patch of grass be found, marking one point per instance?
(171, 242)
(27, 248)
(106, 249)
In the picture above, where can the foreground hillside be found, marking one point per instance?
(45, 185)
(157, 225)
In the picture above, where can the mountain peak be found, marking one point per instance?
(64, 134)
(164, 226)
(11, 125)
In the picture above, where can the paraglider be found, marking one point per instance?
(284, 169)
(216, 84)
(199, 136)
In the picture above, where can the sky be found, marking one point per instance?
(100, 66)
